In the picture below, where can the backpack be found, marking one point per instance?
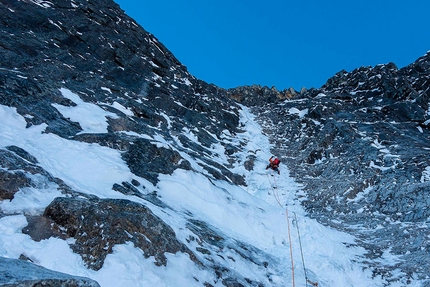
(276, 161)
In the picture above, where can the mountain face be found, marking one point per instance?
(58, 54)
(101, 54)
(359, 146)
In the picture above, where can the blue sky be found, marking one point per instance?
(284, 43)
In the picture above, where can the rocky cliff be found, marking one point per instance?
(94, 50)
(359, 144)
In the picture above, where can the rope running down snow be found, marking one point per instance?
(301, 250)
(291, 248)
(276, 195)
(275, 189)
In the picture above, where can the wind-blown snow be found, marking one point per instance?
(255, 214)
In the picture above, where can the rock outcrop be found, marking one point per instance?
(98, 225)
(360, 146)
(105, 57)
(160, 116)
(21, 273)
(258, 95)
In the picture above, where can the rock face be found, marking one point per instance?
(94, 50)
(18, 167)
(258, 95)
(360, 146)
(97, 225)
(25, 274)
(53, 45)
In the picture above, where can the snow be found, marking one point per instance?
(43, 4)
(420, 129)
(255, 214)
(121, 108)
(72, 161)
(300, 113)
(91, 117)
(36, 199)
(105, 88)
(425, 174)
(187, 82)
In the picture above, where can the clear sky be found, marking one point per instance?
(284, 43)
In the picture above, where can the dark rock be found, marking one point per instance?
(10, 183)
(406, 111)
(147, 160)
(25, 274)
(212, 242)
(256, 95)
(23, 153)
(127, 189)
(98, 224)
(249, 163)
(360, 150)
(40, 228)
(135, 182)
(360, 153)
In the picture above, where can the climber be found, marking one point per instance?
(274, 164)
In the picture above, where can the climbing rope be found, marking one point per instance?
(291, 248)
(301, 249)
(301, 252)
(274, 179)
(270, 182)
(275, 189)
(276, 195)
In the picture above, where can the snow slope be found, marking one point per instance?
(266, 213)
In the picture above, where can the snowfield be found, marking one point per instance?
(266, 213)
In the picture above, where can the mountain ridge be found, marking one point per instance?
(161, 120)
(359, 144)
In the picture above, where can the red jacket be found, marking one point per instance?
(275, 162)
